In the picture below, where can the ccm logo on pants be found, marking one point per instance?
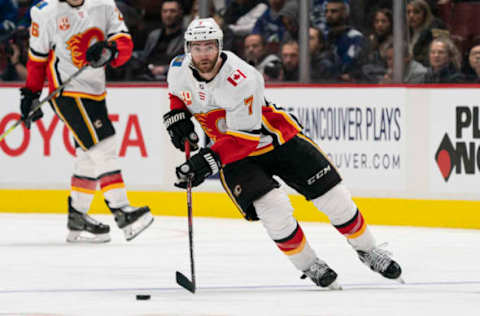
(318, 175)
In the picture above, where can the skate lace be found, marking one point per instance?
(316, 270)
(379, 258)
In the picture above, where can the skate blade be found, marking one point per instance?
(400, 280)
(335, 286)
(86, 237)
(134, 229)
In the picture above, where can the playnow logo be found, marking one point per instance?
(131, 136)
(463, 156)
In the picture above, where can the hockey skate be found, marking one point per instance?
(322, 275)
(132, 220)
(379, 260)
(84, 229)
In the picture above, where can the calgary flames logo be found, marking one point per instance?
(213, 123)
(79, 43)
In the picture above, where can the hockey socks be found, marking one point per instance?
(357, 232)
(113, 189)
(297, 249)
(82, 192)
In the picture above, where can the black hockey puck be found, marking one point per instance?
(143, 297)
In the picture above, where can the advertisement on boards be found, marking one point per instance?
(361, 130)
(43, 156)
(455, 141)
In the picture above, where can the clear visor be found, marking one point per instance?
(203, 48)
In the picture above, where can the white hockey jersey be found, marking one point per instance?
(60, 36)
(231, 108)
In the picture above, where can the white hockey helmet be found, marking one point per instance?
(203, 30)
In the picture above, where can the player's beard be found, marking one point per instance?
(206, 65)
(75, 4)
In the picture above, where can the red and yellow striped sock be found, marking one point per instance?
(357, 232)
(113, 188)
(82, 192)
(297, 249)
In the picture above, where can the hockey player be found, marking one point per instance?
(253, 140)
(66, 35)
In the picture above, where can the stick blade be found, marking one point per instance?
(184, 282)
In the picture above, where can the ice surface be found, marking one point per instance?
(239, 271)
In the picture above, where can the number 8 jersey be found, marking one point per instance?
(59, 38)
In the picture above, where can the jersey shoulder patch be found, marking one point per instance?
(177, 61)
(44, 10)
(41, 5)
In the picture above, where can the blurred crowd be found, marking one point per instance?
(350, 41)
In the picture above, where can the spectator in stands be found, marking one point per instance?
(349, 45)
(270, 25)
(317, 14)
(362, 13)
(289, 16)
(382, 36)
(256, 55)
(17, 53)
(289, 53)
(162, 44)
(423, 29)
(323, 61)
(241, 15)
(444, 59)
(8, 16)
(414, 72)
(472, 71)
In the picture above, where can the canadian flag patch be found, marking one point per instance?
(236, 77)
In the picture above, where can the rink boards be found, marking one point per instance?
(410, 155)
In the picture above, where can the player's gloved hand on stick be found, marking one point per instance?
(28, 100)
(202, 165)
(101, 53)
(180, 127)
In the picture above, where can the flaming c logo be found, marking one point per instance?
(213, 123)
(79, 43)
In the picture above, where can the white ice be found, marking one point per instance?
(239, 271)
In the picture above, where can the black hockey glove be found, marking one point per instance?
(101, 53)
(180, 127)
(28, 101)
(202, 165)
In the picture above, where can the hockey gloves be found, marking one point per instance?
(101, 53)
(202, 165)
(28, 100)
(180, 127)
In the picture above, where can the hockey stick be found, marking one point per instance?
(182, 280)
(42, 102)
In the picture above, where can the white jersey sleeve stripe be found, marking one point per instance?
(36, 57)
(38, 54)
(114, 36)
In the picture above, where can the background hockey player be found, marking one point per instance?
(66, 35)
(252, 141)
